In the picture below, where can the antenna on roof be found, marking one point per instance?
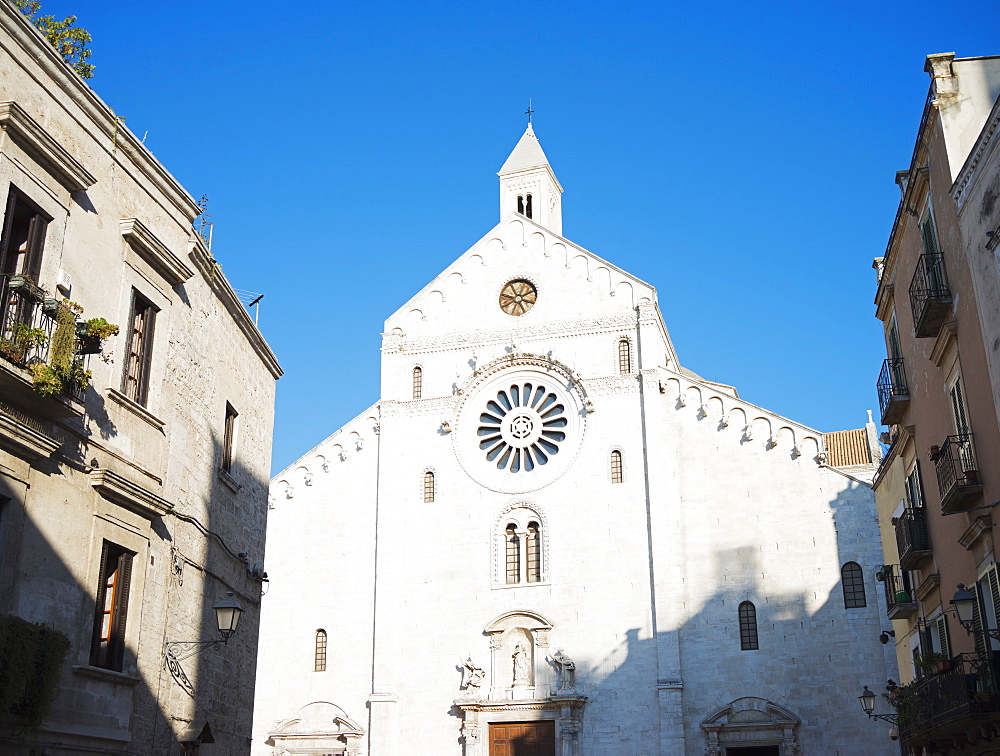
(529, 111)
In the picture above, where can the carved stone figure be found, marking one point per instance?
(520, 657)
(567, 670)
(474, 676)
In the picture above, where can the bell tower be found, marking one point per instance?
(528, 185)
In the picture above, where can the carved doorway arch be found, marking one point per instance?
(751, 722)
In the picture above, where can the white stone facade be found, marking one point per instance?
(647, 504)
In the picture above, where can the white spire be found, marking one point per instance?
(529, 186)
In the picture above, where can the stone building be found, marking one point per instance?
(131, 505)
(548, 537)
(938, 302)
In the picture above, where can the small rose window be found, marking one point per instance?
(521, 428)
(517, 297)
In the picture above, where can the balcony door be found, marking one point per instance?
(523, 738)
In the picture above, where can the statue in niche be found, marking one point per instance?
(474, 676)
(567, 670)
(520, 657)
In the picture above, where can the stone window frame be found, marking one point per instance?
(624, 339)
(498, 538)
(423, 491)
(320, 650)
(417, 382)
(855, 596)
(621, 465)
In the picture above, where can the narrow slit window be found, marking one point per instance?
(229, 438)
(852, 578)
(616, 466)
(534, 566)
(513, 555)
(748, 626)
(319, 664)
(520, 204)
(527, 205)
(624, 357)
(418, 382)
(428, 487)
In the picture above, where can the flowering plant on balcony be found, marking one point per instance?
(23, 338)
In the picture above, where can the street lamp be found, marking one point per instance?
(964, 603)
(867, 699)
(227, 619)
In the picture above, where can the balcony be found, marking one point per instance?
(930, 297)
(898, 594)
(951, 705)
(957, 470)
(912, 539)
(893, 393)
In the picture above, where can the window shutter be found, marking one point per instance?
(958, 407)
(994, 581)
(977, 618)
(929, 236)
(147, 351)
(941, 630)
(894, 351)
(36, 241)
(117, 655)
(95, 641)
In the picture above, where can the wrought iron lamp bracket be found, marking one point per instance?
(181, 650)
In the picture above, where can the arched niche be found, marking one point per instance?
(317, 727)
(530, 631)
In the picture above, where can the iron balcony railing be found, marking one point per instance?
(930, 297)
(965, 692)
(898, 595)
(957, 470)
(25, 329)
(893, 393)
(912, 538)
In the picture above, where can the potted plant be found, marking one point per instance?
(933, 663)
(91, 333)
(26, 287)
(23, 339)
(903, 597)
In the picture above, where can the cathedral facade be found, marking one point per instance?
(547, 537)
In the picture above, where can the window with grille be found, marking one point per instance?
(320, 655)
(748, 626)
(616, 466)
(107, 647)
(852, 578)
(428, 487)
(624, 356)
(513, 554)
(229, 438)
(534, 561)
(418, 382)
(135, 383)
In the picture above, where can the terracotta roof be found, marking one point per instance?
(847, 448)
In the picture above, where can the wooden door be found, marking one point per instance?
(523, 739)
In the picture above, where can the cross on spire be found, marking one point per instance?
(529, 111)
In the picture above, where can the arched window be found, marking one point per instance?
(520, 204)
(853, 580)
(428, 487)
(534, 566)
(418, 382)
(527, 205)
(624, 357)
(320, 663)
(513, 554)
(616, 466)
(748, 626)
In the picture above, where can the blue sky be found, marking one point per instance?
(739, 157)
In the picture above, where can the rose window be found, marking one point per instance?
(522, 428)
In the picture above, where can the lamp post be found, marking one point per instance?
(867, 699)
(227, 619)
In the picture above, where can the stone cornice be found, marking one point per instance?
(154, 251)
(974, 164)
(30, 45)
(212, 274)
(129, 495)
(556, 702)
(44, 148)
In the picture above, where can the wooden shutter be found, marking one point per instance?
(929, 236)
(117, 651)
(894, 351)
(148, 315)
(102, 576)
(8, 225)
(940, 628)
(958, 408)
(977, 618)
(36, 242)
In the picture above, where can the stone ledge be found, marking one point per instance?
(44, 148)
(134, 407)
(129, 495)
(24, 440)
(105, 675)
(154, 251)
(929, 583)
(976, 530)
(228, 480)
